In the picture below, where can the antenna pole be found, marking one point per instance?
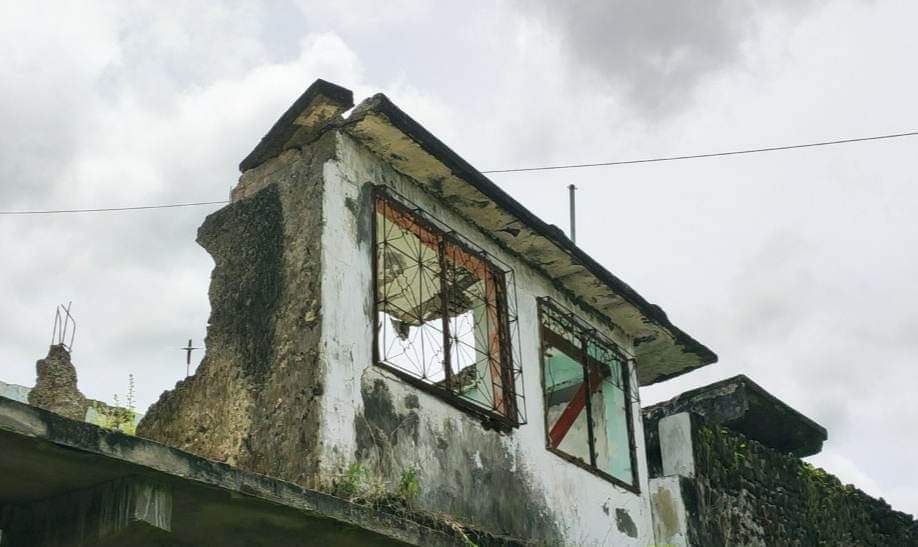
(573, 205)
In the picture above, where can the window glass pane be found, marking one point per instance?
(409, 304)
(565, 404)
(586, 394)
(610, 416)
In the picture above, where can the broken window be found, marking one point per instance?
(587, 396)
(444, 313)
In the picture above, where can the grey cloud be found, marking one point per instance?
(656, 52)
(149, 105)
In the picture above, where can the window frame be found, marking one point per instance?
(584, 333)
(507, 324)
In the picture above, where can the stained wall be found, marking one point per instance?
(503, 482)
(288, 387)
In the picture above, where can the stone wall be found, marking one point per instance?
(747, 494)
(260, 383)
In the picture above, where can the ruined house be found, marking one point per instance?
(377, 301)
(386, 319)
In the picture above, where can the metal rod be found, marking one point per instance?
(573, 232)
(188, 349)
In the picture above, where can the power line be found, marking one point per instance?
(106, 209)
(521, 170)
(709, 155)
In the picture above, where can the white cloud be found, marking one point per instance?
(794, 267)
(138, 281)
(847, 471)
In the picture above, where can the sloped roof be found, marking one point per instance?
(662, 350)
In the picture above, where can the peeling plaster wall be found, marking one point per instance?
(503, 483)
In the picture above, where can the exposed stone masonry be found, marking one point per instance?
(56, 385)
(748, 494)
(259, 384)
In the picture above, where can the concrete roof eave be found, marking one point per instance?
(662, 350)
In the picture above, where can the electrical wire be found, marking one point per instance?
(107, 209)
(522, 170)
(709, 155)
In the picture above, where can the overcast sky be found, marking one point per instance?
(798, 268)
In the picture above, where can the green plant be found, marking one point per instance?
(408, 487)
(117, 417)
(352, 481)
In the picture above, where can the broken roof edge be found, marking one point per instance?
(276, 139)
(761, 391)
(283, 135)
(381, 104)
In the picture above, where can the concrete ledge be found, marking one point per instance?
(320, 103)
(44, 456)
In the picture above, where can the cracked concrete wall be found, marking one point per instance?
(505, 483)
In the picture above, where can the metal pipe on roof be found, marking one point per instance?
(573, 231)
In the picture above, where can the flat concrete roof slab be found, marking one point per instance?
(742, 405)
(44, 456)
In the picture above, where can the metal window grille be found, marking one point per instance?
(584, 376)
(445, 312)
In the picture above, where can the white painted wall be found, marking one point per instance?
(676, 451)
(584, 503)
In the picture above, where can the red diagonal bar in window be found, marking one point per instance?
(573, 409)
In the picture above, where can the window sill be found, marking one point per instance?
(489, 420)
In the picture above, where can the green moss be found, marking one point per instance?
(778, 499)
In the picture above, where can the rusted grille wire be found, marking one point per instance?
(580, 334)
(445, 311)
(587, 396)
